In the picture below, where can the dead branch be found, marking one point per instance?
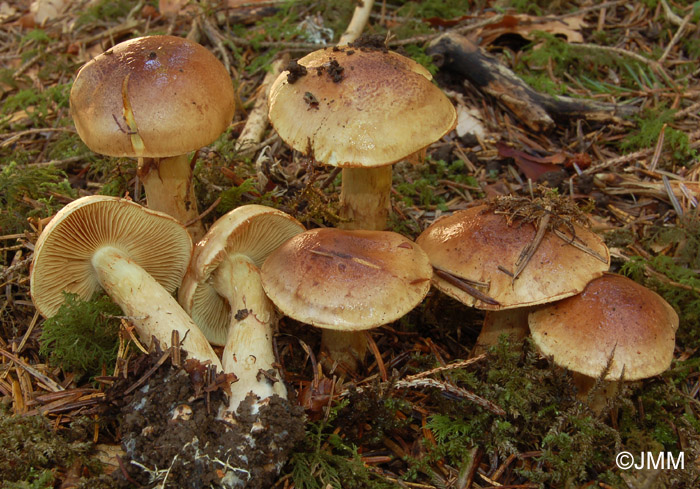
(538, 111)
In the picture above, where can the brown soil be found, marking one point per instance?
(173, 440)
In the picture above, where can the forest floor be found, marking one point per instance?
(509, 418)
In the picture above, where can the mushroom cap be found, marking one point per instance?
(382, 108)
(251, 230)
(613, 317)
(63, 252)
(346, 280)
(472, 244)
(180, 96)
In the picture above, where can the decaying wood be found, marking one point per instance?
(538, 111)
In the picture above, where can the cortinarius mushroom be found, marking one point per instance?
(346, 281)
(155, 98)
(138, 256)
(476, 253)
(222, 292)
(363, 109)
(615, 329)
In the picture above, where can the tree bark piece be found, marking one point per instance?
(538, 111)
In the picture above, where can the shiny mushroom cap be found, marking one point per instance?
(64, 252)
(154, 96)
(358, 107)
(347, 280)
(251, 230)
(613, 317)
(478, 245)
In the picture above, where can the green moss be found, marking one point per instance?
(649, 126)
(105, 10)
(83, 336)
(574, 446)
(27, 192)
(40, 106)
(583, 63)
(325, 460)
(32, 453)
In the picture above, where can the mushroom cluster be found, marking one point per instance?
(477, 255)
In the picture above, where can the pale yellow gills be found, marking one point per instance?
(138, 256)
(480, 246)
(253, 231)
(347, 280)
(614, 319)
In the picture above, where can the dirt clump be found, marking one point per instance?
(173, 437)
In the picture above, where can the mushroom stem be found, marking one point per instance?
(599, 399)
(248, 352)
(153, 311)
(365, 198)
(509, 322)
(348, 348)
(169, 188)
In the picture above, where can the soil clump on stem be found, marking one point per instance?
(173, 437)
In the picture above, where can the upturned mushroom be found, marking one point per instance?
(615, 330)
(363, 109)
(155, 98)
(136, 255)
(346, 281)
(223, 294)
(478, 259)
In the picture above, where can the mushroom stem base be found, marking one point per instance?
(365, 197)
(597, 400)
(248, 353)
(510, 322)
(152, 310)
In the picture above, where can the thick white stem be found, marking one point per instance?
(153, 311)
(248, 352)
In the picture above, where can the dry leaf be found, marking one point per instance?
(46, 10)
(171, 7)
(6, 11)
(469, 122)
(526, 25)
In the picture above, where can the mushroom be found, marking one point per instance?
(136, 255)
(360, 109)
(346, 281)
(475, 253)
(222, 292)
(615, 330)
(155, 98)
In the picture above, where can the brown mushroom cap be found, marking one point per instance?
(473, 244)
(359, 107)
(250, 230)
(168, 92)
(63, 253)
(347, 280)
(613, 317)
